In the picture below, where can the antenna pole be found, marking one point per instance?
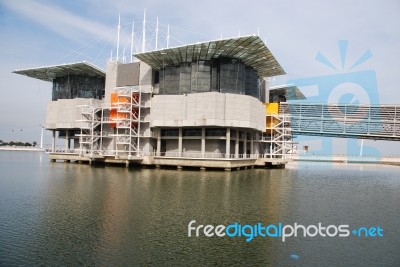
(157, 34)
(132, 35)
(144, 32)
(168, 37)
(119, 27)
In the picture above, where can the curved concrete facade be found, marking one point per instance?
(207, 109)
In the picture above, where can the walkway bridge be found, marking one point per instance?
(376, 122)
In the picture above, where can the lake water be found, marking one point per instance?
(69, 214)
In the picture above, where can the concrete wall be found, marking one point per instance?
(207, 109)
(146, 145)
(145, 77)
(128, 74)
(214, 146)
(111, 79)
(171, 148)
(64, 113)
(191, 146)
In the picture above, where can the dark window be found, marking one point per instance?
(225, 75)
(201, 77)
(169, 132)
(215, 132)
(78, 86)
(192, 132)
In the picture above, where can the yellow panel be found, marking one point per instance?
(270, 121)
(271, 108)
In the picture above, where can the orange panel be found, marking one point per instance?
(115, 99)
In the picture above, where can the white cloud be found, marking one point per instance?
(60, 21)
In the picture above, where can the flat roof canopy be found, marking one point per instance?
(49, 73)
(250, 49)
(291, 92)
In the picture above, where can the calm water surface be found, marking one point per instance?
(69, 214)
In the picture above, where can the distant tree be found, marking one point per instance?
(34, 143)
(1, 142)
(27, 144)
(12, 143)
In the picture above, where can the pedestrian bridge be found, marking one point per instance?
(377, 122)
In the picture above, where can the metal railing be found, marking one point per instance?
(377, 122)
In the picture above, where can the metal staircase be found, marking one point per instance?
(90, 132)
(119, 122)
(277, 138)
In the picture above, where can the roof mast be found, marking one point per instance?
(132, 35)
(119, 27)
(168, 37)
(144, 33)
(157, 34)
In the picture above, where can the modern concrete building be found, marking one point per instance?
(201, 105)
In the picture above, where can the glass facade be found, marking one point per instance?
(77, 86)
(223, 75)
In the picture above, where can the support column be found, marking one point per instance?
(203, 142)
(257, 148)
(180, 143)
(158, 151)
(67, 140)
(228, 143)
(251, 144)
(245, 145)
(53, 142)
(237, 144)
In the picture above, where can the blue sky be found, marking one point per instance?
(38, 33)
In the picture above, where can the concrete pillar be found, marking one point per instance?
(237, 144)
(127, 164)
(256, 148)
(228, 143)
(251, 144)
(203, 142)
(180, 143)
(245, 145)
(158, 153)
(202, 168)
(67, 140)
(53, 142)
(179, 168)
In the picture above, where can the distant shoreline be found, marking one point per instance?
(35, 149)
(349, 159)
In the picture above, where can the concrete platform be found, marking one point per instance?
(179, 162)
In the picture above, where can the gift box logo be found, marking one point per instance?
(344, 86)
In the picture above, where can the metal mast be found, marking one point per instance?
(132, 35)
(168, 37)
(119, 27)
(144, 33)
(157, 34)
